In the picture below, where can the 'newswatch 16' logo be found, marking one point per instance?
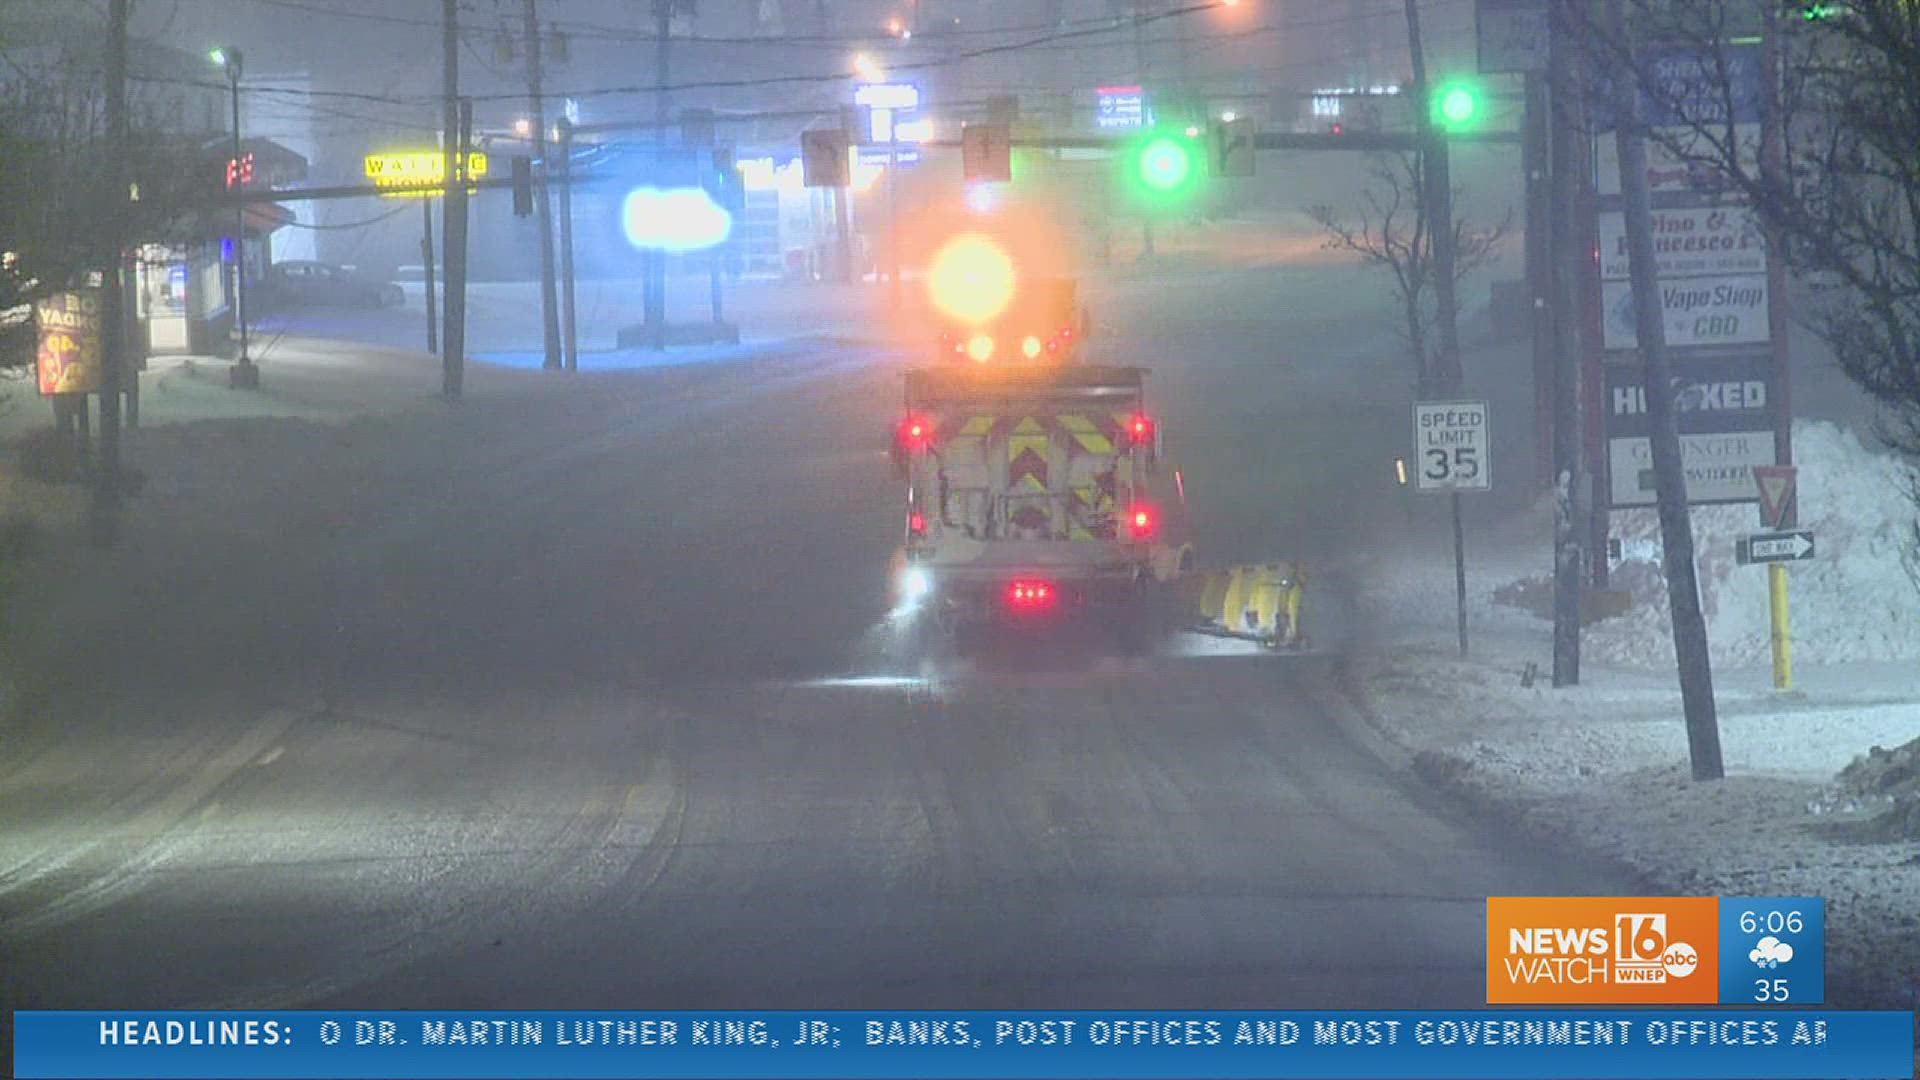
(1582, 950)
(1642, 952)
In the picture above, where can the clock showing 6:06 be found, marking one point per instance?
(1773, 950)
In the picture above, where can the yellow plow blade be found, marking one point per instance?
(1260, 602)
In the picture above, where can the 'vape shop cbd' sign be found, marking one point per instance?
(1726, 310)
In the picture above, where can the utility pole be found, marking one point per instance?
(1773, 173)
(543, 205)
(1536, 137)
(243, 374)
(569, 328)
(654, 261)
(1567, 125)
(1676, 527)
(426, 263)
(113, 330)
(894, 294)
(458, 119)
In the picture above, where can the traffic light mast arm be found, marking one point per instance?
(1273, 140)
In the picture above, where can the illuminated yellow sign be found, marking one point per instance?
(418, 172)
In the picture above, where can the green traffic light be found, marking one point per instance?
(1456, 105)
(1165, 164)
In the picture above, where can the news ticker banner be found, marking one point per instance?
(1656, 950)
(1489, 1045)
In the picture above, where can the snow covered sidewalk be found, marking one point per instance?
(1603, 766)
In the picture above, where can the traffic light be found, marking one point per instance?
(1458, 105)
(522, 185)
(1165, 165)
(725, 184)
(1817, 11)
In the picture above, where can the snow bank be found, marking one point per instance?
(1883, 786)
(1602, 767)
(1854, 600)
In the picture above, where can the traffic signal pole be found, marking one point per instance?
(1140, 66)
(894, 292)
(549, 317)
(458, 118)
(1442, 376)
(654, 261)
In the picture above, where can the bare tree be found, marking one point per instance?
(1393, 233)
(53, 138)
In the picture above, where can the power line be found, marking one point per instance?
(1039, 43)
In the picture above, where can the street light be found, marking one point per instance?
(245, 374)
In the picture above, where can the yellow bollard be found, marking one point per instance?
(1782, 640)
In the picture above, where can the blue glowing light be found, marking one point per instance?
(674, 220)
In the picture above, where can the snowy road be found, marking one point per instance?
(555, 699)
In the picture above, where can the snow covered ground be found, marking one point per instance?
(1604, 765)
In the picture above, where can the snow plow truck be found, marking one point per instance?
(1035, 497)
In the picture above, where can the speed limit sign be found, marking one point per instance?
(1450, 446)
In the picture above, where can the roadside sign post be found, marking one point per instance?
(1780, 635)
(1450, 451)
(1783, 542)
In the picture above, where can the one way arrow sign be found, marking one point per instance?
(1776, 547)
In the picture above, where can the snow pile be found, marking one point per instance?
(1602, 769)
(1854, 600)
(1886, 784)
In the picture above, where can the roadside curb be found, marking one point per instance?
(1454, 777)
(1344, 696)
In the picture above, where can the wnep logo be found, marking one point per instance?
(1602, 950)
(1642, 953)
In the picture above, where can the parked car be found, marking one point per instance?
(301, 283)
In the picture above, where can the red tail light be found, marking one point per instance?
(1140, 429)
(916, 525)
(1140, 522)
(1030, 595)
